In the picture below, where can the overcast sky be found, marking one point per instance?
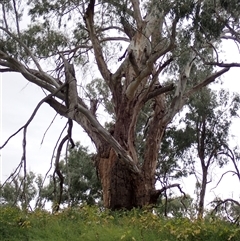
(19, 98)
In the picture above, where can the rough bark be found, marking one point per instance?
(121, 187)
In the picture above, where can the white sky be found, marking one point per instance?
(19, 98)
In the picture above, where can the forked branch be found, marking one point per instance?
(158, 192)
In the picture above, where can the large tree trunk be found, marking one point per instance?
(202, 194)
(121, 187)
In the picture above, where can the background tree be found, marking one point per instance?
(228, 209)
(16, 194)
(158, 52)
(208, 121)
(81, 184)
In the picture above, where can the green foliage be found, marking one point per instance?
(79, 169)
(81, 184)
(210, 116)
(177, 207)
(99, 91)
(21, 191)
(91, 223)
(14, 224)
(46, 41)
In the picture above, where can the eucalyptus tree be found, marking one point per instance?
(145, 52)
(209, 120)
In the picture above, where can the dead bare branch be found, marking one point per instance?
(220, 202)
(33, 114)
(13, 175)
(48, 128)
(230, 171)
(232, 157)
(51, 162)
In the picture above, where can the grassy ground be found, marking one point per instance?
(89, 223)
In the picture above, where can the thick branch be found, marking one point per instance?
(88, 17)
(137, 13)
(159, 51)
(94, 129)
(159, 91)
(4, 16)
(33, 76)
(205, 82)
(109, 138)
(178, 101)
(5, 70)
(16, 17)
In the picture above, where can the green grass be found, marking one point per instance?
(89, 223)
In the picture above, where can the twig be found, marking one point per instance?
(55, 147)
(13, 176)
(48, 128)
(222, 178)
